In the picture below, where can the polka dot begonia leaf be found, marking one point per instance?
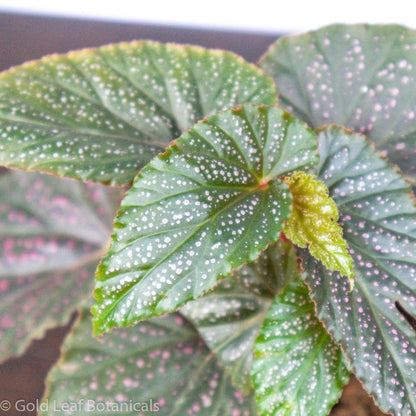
(53, 233)
(298, 369)
(158, 367)
(102, 114)
(378, 215)
(230, 316)
(208, 205)
(362, 77)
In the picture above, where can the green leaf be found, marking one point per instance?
(298, 369)
(378, 215)
(211, 203)
(361, 77)
(53, 233)
(313, 223)
(160, 365)
(102, 114)
(401, 150)
(229, 317)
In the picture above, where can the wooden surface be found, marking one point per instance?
(25, 38)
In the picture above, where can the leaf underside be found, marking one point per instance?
(230, 316)
(362, 77)
(209, 204)
(160, 366)
(313, 223)
(52, 236)
(102, 114)
(298, 369)
(378, 215)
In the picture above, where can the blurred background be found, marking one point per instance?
(29, 30)
(261, 16)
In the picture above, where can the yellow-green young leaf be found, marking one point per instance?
(313, 223)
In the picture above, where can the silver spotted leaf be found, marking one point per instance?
(362, 77)
(208, 205)
(230, 316)
(159, 367)
(298, 369)
(53, 233)
(378, 216)
(102, 114)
